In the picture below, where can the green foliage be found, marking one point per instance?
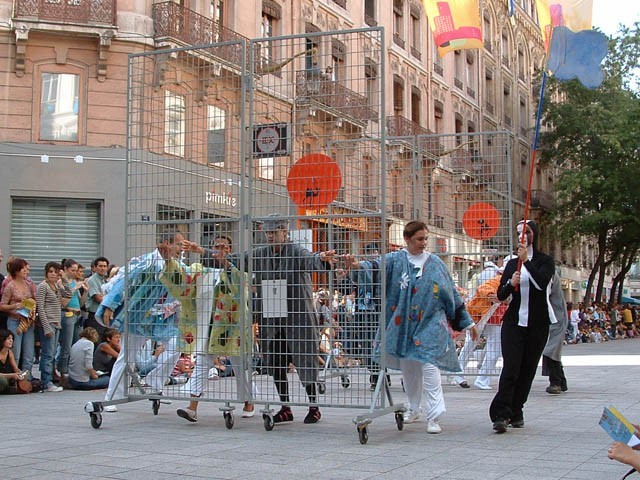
(593, 141)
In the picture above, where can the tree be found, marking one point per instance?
(594, 144)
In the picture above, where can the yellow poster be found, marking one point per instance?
(573, 14)
(455, 24)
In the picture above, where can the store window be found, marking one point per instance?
(44, 230)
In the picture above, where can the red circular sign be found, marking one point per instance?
(481, 221)
(314, 181)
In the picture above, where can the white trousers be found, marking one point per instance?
(423, 380)
(493, 351)
(156, 378)
(463, 357)
(204, 362)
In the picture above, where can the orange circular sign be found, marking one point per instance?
(314, 181)
(481, 221)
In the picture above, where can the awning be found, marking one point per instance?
(630, 300)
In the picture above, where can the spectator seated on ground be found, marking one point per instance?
(107, 352)
(82, 375)
(183, 370)
(223, 365)
(147, 357)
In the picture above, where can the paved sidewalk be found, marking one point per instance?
(48, 436)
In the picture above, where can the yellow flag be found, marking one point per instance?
(573, 14)
(455, 24)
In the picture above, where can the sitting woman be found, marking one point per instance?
(107, 352)
(82, 375)
(9, 371)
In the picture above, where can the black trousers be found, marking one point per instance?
(521, 351)
(553, 369)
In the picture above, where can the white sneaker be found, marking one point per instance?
(482, 386)
(110, 409)
(433, 427)
(53, 388)
(411, 416)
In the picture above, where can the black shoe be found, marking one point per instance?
(554, 389)
(284, 415)
(313, 416)
(500, 426)
(517, 423)
(564, 387)
(464, 384)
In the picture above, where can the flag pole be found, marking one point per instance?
(532, 168)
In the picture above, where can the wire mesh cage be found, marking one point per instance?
(259, 171)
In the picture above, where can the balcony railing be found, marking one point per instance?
(312, 86)
(173, 22)
(458, 83)
(399, 126)
(92, 12)
(437, 68)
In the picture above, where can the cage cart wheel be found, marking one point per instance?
(363, 434)
(228, 420)
(96, 420)
(346, 382)
(400, 420)
(268, 422)
(322, 388)
(155, 406)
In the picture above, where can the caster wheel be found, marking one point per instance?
(399, 420)
(346, 383)
(228, 420)
(322, 388)
(268, 422)
(155, 407)
(96, 420)
(363, 435)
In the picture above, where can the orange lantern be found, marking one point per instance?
(314, 181)
(481, 221)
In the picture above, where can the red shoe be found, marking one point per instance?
(284, 415)
(313, 416)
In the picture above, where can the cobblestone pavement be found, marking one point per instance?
(48, 435)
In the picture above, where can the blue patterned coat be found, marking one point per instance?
(418, 311)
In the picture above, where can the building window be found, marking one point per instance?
(489, 91)
(415, 35)
(371, 76)
(438, 113)
(370, 13)
(174, 124)
(216, 127)
(438, 64)
(487, 33)
(217, 11)
(398, 95)
(338, 55)
(266, 168)
(415, 105)
(470, 73)
(398, 22)
(506, 105)
(458, 69)
(521, 65)
(459, 129)
(59, 107)
(504, 45)
(271, 14)
(524, 121)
